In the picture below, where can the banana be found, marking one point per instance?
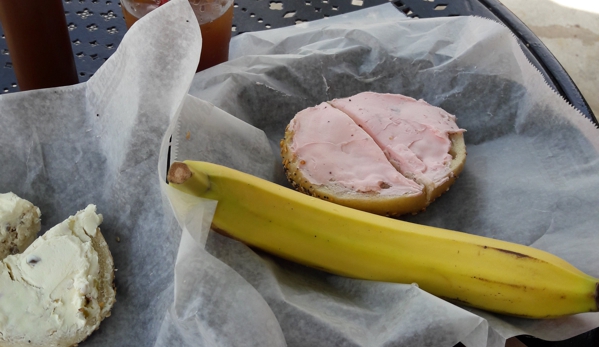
(481, 272)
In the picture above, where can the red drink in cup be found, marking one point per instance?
(215, 18)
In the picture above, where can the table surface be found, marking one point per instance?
(96, 28)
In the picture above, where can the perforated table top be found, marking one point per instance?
(96, 28)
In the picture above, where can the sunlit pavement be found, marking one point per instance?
(570, 30)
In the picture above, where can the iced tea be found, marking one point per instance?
(216, 33)
(38, 43)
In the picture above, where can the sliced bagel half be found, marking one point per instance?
(420, 141)
(326, 155)
(60, 288)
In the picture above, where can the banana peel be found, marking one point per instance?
(485, 273)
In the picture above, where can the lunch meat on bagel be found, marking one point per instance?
(387, 154)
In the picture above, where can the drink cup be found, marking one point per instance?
(214, 16)
(38, 43)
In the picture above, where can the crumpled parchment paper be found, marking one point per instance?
(98, 143)
(529, 177)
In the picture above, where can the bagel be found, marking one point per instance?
(387, 154)
(19, 224)
(60, 288)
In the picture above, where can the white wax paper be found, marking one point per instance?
(98, 143)
(529, 178)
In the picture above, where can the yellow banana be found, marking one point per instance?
(481, 272)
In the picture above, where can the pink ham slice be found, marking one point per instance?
(334, 150)
(413, 134)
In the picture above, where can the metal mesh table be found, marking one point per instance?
(97, 27)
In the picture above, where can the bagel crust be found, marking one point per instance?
(375, 201)
(60, 288)
(19, 224)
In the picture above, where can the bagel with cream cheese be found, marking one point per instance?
(19, 224)
(60, 288)
(382, 153)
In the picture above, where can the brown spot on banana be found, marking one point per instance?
(516, 254)
(519, 286)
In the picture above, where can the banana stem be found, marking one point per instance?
(180, 173)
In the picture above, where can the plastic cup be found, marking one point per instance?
(215, 18)
(38, 43)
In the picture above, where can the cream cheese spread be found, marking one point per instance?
(49, 290)
(333, 150)
(19, 224)
(413, 134)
